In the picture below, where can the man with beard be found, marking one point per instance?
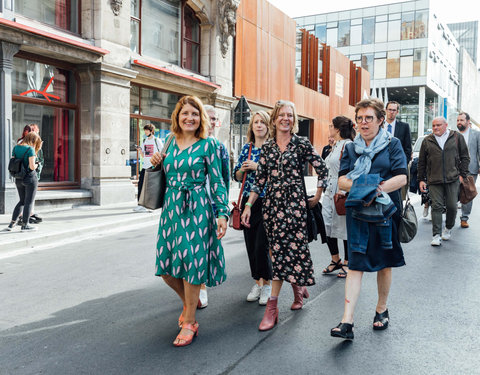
(472, 139)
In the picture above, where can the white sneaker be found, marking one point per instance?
(436, 241)
(446, 234)
(203, 299)
(140, 209)
(254, 293)
(425, 211)
(265, 293)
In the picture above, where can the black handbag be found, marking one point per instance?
(152, 195)
(408, 223)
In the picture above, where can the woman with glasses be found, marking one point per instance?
(373, 169)
(280, 168)
(342, 131)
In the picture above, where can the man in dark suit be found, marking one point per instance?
(398, 129)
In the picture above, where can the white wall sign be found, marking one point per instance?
(339, 85)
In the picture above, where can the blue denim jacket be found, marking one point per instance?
(359, 216)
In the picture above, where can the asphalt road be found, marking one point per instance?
(95, 307)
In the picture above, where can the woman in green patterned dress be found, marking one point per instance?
(189, 251)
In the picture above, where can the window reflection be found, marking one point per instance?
(321, 33)
(343, 33)
(368, 31)
(393, 64)
(421, 24)
(408, 26)
(60, 13)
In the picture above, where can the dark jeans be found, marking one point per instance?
(332, 244)
(27, 188)
(443, 194)
(141, 176)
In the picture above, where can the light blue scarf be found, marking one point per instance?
(364, 162)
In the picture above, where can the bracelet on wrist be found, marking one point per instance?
(248, 204)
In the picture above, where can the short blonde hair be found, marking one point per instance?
(265, 118)
(202, 131)
(275, 112)
(34, 140)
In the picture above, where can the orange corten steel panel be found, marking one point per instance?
(265, 68)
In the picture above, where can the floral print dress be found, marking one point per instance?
(187, 244)
(285, 206)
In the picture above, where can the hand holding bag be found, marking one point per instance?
(236, 214)
(152, 195)
(408, 223)
(468, 191)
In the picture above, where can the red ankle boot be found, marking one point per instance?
(299, 293)
(270, 317)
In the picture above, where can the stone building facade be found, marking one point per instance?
(91, 73)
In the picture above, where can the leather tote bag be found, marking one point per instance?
(155, 184)
(468, 191)
(339, 199)
(236, 214)
(408, 223)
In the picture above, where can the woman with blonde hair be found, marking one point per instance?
(189, 251)
(255, 237)
(26, 186)
(280, 169)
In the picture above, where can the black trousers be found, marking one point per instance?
(332, 244)
(141, 176)
(257, 243)
(27, 189)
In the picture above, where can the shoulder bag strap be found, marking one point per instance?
(244, 176)
(167, 143)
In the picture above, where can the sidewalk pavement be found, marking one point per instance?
(81, 222)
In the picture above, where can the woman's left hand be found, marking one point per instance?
(221, 227)
(312, 202)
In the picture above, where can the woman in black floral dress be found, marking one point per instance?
(280, 168)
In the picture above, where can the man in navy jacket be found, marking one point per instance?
(398, 129)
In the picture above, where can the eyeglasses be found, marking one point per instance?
(367, 119)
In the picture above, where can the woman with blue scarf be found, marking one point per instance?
(373, 169)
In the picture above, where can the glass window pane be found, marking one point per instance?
(134, 36)
(155, 103)
(368, 30)
(192, 26)
(332, 37)
(42, 81)
(394, 28)
(60, 13)
(321, 33)
(367, 63)
(381, 32)
(380, 68)
(343, 34)
(191, 56)
(135, 8)
(408, 25)
(406, 66)
(421, 24)
(57, 130)
(393, 64)
(135, 99)
(161, 30)
(420, 62)
(356, 35)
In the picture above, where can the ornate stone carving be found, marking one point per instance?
(116, 5)
(227, 19)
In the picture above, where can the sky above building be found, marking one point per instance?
(448, 11)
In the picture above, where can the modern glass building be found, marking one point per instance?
(466, 34)
(412, 57)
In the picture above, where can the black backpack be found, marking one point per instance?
(16, 167)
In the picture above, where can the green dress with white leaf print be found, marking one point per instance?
(187, 244)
